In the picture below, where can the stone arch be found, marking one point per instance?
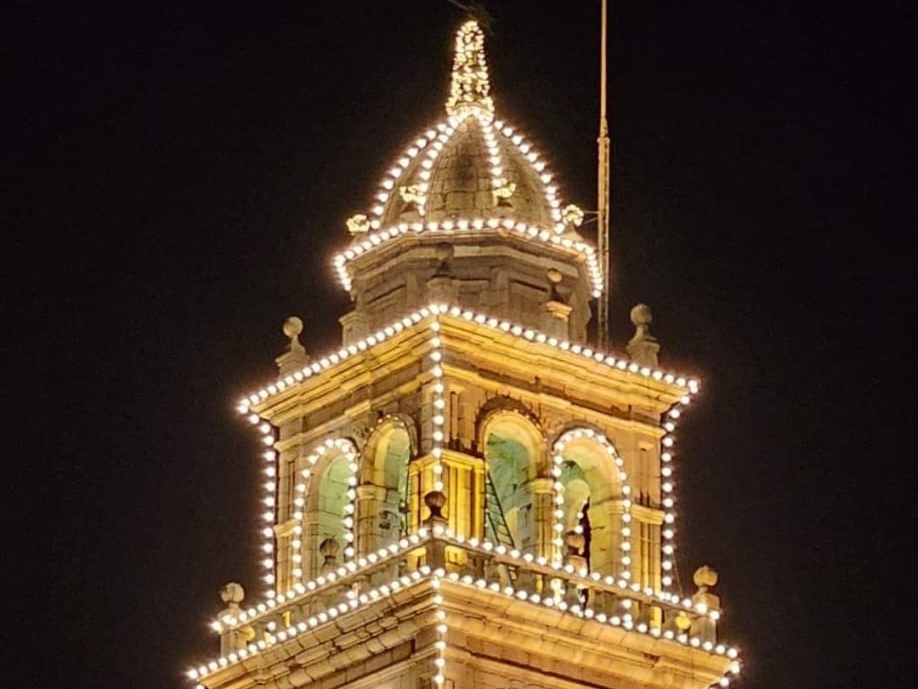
(592, 496)
(503, 403)
(327, 483)
(382, 494)
(513, 449)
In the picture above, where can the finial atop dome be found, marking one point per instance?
(470, 88)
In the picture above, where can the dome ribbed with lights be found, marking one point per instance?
(469, 163)
(470, 212)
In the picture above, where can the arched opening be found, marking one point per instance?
(512, 446)
(576, 505)
(393, 453)
(594, 500)
(383, 501)
(332, 517)
(323, 506)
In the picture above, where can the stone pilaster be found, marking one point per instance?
(554, 320)
(543, 506)
(369, 499)
(355, 326)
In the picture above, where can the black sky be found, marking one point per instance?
(176, 179)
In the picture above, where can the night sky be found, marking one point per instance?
(176, 180)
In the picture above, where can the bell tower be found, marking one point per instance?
(465, 494)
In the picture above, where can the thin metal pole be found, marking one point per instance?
(603, 204)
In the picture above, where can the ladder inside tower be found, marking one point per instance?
(498, 531)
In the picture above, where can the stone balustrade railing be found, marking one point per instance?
(435, 552)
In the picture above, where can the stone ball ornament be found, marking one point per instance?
(435, 501)
(641, 315)
(705, 577)
(293, 326)
(232, 593)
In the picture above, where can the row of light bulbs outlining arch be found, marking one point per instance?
(558, 491)
(348, 452)
(469, 97)
(437, 436)
(269, 516)
(350, 455)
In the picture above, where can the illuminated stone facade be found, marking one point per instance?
(465, 494)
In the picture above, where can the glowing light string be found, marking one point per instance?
(433, 316)
(440, 643)
(274, 636)
(349, 453)
(244, 406)
(438, 419)
(269, 501)
(492, 225)
(558, 459)
(469, 98)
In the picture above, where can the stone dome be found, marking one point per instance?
(471, 181)
(473, 167)
(469, 165)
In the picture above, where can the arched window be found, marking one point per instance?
(327, 482)
(512, 448)
(395, 451)
(576, 504)
(332, 493)
(383, 507)
(594, 499)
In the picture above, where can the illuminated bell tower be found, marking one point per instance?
(465, 494)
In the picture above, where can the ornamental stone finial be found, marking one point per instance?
(329, 548)
(293, 326)
(435, 501)
(643, 348)
(295, 356)
(705, 627)
(704, 577)
(232, 639)
(469, 91)
(232, 594)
